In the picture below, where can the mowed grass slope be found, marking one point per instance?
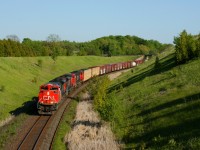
(20, 77)
(161, 108)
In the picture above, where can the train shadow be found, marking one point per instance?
(28, 107)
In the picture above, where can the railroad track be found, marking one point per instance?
(42, 132)
(31, 140)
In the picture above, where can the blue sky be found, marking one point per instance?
(85, 20)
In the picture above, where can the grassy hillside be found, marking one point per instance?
(20, 77)
(161, 108)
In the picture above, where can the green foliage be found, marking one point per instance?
(53, 38)
(13, 38)
(2, 88)
(187, 47)
(198, 46)
(34, 80)
(102, 102)
(100, 94)
(105, 46)
(40, 63)
(92, 86)
(54, 55)
(105, 103)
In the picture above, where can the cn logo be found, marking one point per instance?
(48, 98)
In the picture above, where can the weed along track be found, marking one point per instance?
(41, 134)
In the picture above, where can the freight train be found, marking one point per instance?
(51, 93)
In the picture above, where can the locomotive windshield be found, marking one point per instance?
(44, 88)
(53, 88)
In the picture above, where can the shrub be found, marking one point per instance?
(34, 80)
(2, 89)
(100, 94)
(40, 63)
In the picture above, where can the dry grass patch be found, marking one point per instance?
(6, 121)
(88, 131)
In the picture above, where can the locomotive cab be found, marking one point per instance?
(48, 98)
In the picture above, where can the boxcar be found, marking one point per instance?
(119, 66)
(129, 64)
(87, 74)
(108, 68)
(124, 65)
(113, 67)
(102, 70)
(95, 71)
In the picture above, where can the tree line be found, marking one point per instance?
(187, 47)
(53, 46)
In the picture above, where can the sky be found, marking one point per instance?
(86, 20)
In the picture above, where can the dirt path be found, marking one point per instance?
(88, 131)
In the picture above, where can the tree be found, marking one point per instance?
(191, 46)
(157, 64)
(55, 45)
(26, 41)
(198, 46)
(181, 47)
(53, 38)
(13, 37)
(186, 47)
(144, 49)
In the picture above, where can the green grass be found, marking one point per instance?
(162, 107)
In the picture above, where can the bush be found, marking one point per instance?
(2, 89)
(34, 80)
(100, 94)
(40, 63)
